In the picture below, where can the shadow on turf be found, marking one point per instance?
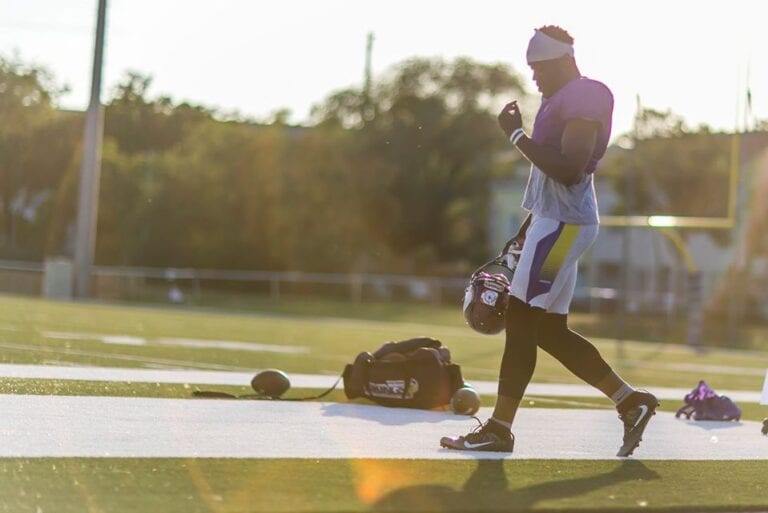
(488, 489)
(388, 416)
(709, 425)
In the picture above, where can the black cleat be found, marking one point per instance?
(635, 412)
(765, 426)
(480, 439)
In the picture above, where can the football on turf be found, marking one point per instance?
(271, 383)
(465, 401)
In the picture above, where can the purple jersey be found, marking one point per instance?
(581, 98)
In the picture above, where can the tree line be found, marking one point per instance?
(392, 178)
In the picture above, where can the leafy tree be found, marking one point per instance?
(394, 180)
(27, 174)
(423, 150)
(674, 169)
(237, 196)
(138, 131)
(139, 123)
(759, 125)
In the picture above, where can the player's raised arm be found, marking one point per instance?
(565, 165)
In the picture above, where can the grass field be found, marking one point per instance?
(305, 337)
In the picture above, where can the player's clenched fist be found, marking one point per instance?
(510, 118)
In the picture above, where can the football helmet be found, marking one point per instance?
(487, 295)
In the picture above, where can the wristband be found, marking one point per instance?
(516, 136)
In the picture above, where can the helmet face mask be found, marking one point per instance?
(487, 296)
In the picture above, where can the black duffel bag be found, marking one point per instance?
(413, 373)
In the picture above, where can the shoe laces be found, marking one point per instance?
(478, 430)
(479, 426)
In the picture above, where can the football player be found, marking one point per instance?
(570, 135)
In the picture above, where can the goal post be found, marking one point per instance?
(671, 225)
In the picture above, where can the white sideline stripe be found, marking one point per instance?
(68, 426)
(118, 374)
(764, 397)
(700, 368)
(127, 340)
(181, 376)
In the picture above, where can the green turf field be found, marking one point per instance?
(319, 339)
(70, 485)
(31, 332)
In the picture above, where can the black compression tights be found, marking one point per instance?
(529, 327)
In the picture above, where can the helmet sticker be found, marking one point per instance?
(489, 297)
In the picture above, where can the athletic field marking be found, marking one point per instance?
(697, 367)
(287, 349)
(242, 377)
(66, 426)
(178, 342)
(146, 360)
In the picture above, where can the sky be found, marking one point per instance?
(255, 57)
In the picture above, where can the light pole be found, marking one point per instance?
(90, 168)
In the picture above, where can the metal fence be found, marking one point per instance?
(206, 285)
(21, 277)
(114, 282)
(355, 287)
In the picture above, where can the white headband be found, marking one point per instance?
(544, 48)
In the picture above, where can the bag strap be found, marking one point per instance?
(406, 346)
